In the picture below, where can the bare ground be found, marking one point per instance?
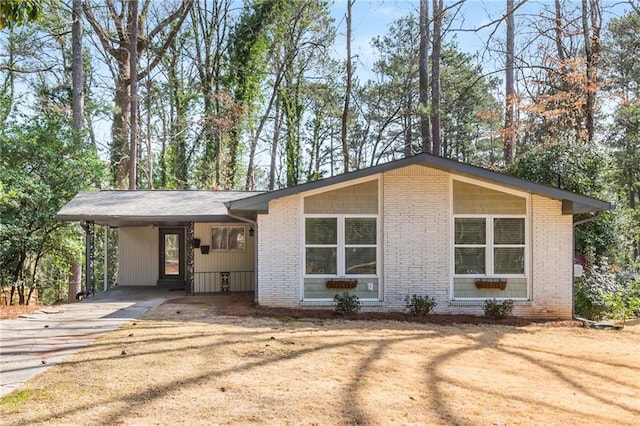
(190, 362)
(15, 311)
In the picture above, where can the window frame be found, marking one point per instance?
(341, 246)
(489, 245)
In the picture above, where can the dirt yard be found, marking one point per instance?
(189, 362)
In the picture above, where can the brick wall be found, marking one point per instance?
(416, 234)
(552, 260)
(279, 252)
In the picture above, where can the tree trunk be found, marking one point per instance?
(509, 115)
(347, 94)
(75, 281)
(77, 75)
(591, 23)
(250, 181)
(274, 146)
(435, 76)
(133, 72)
(425, 127)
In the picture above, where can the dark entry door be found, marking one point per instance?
(172, 265)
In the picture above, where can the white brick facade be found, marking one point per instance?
(416, 248)
(552, 243)
(416, 235)
(279, 253)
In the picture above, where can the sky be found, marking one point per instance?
(372, 18)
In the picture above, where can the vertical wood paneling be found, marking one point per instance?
(138, 248)
(217, 261)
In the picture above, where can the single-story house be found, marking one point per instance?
(421, 225)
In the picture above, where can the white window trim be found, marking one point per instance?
(340, 253)
(528, 241)
(379, 238)
(489, 245)
(341, 246)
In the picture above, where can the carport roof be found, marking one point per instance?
(160, 207)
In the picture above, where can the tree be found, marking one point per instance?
(425, 127)
(438, 16)
(19, 12)
(42, 167)
(248, 56)
(510, 91)
(398, 71)
(620, 48)
(347, 92)
(211, 23)
(112, 27)
(583, 171)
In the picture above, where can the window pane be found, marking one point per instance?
(508, 260)
(470, 231)
(360, 230)
(508, 231)
(360, 260)
(470, 260)
(320, 260)
(219, 239)
(321, 230)
(236, 238)
(171, 254)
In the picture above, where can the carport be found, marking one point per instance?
(170, 239)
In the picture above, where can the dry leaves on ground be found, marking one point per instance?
(184, 363)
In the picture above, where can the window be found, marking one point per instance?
(341, 245)
(228, 238)
(489, 245)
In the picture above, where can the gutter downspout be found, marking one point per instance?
(573, 272)
(254, 224)
(587, 220)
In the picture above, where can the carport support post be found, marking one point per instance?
(105, 278)
(89, 238)
(189, 276)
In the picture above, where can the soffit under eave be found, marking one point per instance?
(132, 221)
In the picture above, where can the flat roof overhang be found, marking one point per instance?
(150, 207)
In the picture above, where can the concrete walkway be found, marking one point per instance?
(30, 345)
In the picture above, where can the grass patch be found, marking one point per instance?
(16, 398)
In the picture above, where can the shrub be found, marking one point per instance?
(420, 305)
(495, 309)
(346, 303)
(600, 292)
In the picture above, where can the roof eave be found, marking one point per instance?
(575, 203)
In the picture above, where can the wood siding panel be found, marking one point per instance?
(355, 199)
(225, 261)
(138, 256)
(474, 199)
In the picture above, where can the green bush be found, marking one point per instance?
(420, 305)
(495, 309)
(602, 292)
(346, 303)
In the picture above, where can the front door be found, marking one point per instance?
(172, 266)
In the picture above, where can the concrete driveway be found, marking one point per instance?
(30, 345)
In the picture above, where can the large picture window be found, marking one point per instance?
(489, 246)
(341, 245)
